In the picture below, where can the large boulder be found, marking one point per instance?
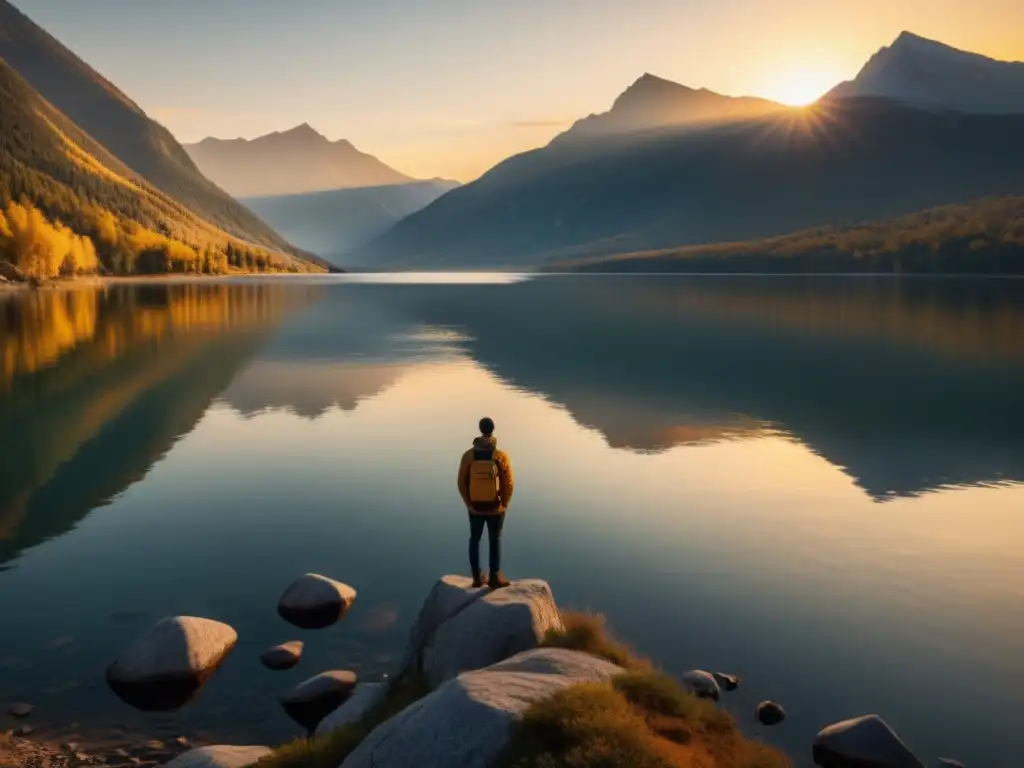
(446, 598)
(863, 742)
(313, 699)
(220, 756)
(314, 602)
(468, 720)
(284, 656)
(364, 698)
(169, 662)
(460, 628)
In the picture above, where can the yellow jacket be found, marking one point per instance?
(506, 482)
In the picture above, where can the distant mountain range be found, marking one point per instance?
(930, 74)
(334, 222)
(844, 161)
(670, 167)
(289, 162)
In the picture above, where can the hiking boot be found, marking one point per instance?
(478, 580)
(498, 580)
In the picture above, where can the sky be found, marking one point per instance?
(450, 87)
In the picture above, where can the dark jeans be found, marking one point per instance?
(494, 525)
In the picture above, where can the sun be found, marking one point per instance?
(800, 87)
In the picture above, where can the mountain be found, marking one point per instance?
(107, 115)
(981, 237)
(334, 222)
(652, 102)
(70, 183)
(289, 162)
(929, 74)
(839, 162)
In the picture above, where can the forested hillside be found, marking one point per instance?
(983, 237)
(70, 206)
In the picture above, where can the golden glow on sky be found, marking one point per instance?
(451, 87)
(800, 87)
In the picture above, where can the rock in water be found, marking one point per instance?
(219, 757)
(770, 713)
(468, 720)
(312, 700)
(726, 682)
(460, 628)
(364, 698)
(21, 709)
(701, 684)
(864, 742)
(314, 602)
(168, 663)
(284, 656)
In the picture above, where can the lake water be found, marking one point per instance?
(813, 483)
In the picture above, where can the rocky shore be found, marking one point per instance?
(479, 665)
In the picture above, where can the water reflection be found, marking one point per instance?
(267, 419)
(99, 384)
(908, 386)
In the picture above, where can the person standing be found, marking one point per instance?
(486, 485)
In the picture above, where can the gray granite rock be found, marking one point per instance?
(313, 601)
(461, 628)
(725, 681)
(165, 665)
(364, 698)
(21, 709)
(313, 699)
(467, 721)
(770, 713)
(863, 742)
(701, 684)
(284, 656)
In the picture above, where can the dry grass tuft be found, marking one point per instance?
(588, 632)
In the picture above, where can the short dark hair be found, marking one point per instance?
(486, 426)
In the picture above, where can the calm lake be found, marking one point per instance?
(813, 483)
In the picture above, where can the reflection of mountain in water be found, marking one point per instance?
(98, 385)
(907, 385)
(335, 354)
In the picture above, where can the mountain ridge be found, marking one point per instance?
(109, 116)
(931, 74)
(294, 161)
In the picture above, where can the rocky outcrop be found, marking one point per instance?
(314, 602)
(364, 698)
(701, 684)
(467, 721)
(864, 742)
(284, 656)
(220, 756)
(169, 662)
(460, 628)
(770, 713)
(313, 699)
